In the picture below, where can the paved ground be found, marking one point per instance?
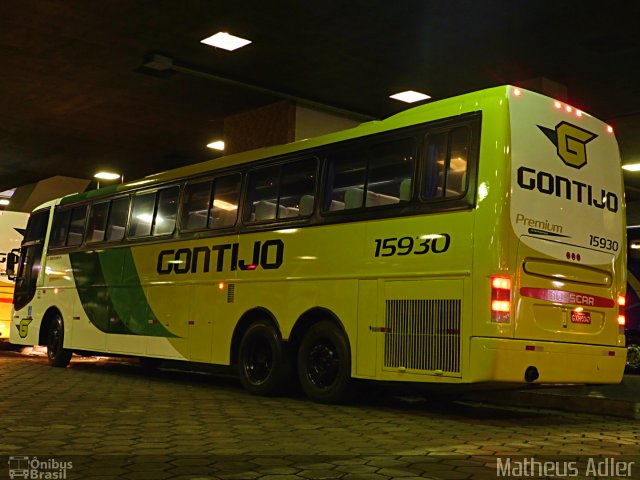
(115, 420)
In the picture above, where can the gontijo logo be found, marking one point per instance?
(571, 143)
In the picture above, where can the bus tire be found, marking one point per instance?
(262, 362)
(324, 364)
(633, 354)
(56, 353)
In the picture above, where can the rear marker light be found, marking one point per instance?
(533, 348)
(557, 104)
(609, 129)
(517, 92)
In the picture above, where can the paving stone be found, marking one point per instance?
(200, 426)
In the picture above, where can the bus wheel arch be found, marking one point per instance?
(323, 357)
(260, 354)
(633, 352)
(52, 335)
(45, 325)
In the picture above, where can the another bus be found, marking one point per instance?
(632, 311)
(479, 238)
(12, 226)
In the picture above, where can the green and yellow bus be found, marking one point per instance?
(479, 238)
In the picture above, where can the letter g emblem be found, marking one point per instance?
(572, 144)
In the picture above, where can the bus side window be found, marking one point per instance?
(195, 208)
(97, 225)
(224, 206)
(390, 164)
(458, 161)
(298, 181)
(447, 160)
(346, 179)
(165, 218)
(76, 226)
(262, 194)
(117, 219)
(59, 228)
(142, 214)
(436, 159)
(381, 177)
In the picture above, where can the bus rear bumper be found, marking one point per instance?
(526, 361)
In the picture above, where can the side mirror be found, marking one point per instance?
(12, 261)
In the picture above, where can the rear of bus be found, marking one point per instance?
(557, 287)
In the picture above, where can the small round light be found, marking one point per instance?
(557, 104)
(609, 129)
(568, 108)
(578, 113)
(517, 92)
(221, 286)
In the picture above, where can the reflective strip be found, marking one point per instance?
(569, 298)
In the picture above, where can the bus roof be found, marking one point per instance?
(432, 111)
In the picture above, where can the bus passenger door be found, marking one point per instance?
(30, 259)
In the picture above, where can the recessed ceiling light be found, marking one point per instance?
(410, 96)
(217, 145)
(4, 201)
(226, 41)
(107, 175)
(632, 167)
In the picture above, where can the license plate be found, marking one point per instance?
(581, 317)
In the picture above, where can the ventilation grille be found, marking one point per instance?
(231, 292)
(423, 335)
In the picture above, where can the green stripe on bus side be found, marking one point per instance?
(76, 197)
(110, 304)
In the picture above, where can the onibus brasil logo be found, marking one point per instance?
(41, 469)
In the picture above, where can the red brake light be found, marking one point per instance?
(500, 299)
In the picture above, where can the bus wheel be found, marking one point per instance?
(324, 364)
(633, 354)
(57, 354)
(261, 360)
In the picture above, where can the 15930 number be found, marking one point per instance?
(603, 243)
(387, 247)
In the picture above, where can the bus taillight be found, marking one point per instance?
(622, 301)
(500, 299)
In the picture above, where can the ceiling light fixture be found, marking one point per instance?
(632, 167)
(410, 96)
(107, 175)
(4, 201)
(225, 41)
(217, 145)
